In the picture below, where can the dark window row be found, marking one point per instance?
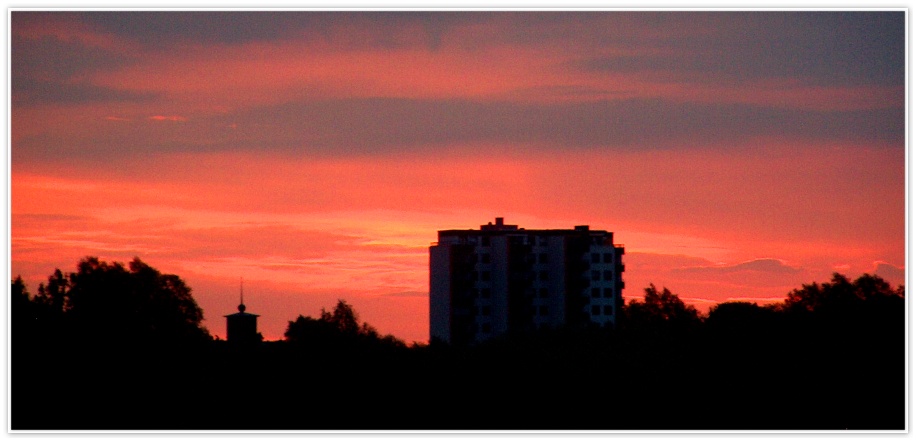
(608, 310)
(483, 293)
(607, 292)
(608, 275)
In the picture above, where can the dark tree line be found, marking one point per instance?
(830, 356)
(337, 330)
(104, 301)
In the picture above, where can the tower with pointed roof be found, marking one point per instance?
(242, 327)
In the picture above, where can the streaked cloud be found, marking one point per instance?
(409, 294)
(173, 118)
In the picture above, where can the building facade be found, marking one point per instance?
(502, 278)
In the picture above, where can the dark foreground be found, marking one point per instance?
(790, 379)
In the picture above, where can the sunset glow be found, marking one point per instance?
(736, 155)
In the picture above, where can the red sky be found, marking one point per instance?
(736, 155)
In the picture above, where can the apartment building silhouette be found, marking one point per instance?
(502, 278)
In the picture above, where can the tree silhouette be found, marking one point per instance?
(840, 295)
(22, 309)
(32, 319)
(19, 292)
(344, 318)
(740, 316)
(337, 327)
(55, 292)
(106, 301)
(660, 310)
(736, 328)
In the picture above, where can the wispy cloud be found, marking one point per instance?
(173, 118)
(767, 265)
(409, 294)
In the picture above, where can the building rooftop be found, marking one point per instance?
(500, 227)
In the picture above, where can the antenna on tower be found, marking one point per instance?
(241, 295)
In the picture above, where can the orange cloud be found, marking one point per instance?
(167, 118)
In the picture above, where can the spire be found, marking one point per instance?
(241, 295)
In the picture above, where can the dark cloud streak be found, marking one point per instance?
(52, 59)
(28, 92)
(386, 126)
(157, 28)
(371, 124)
(816, 48)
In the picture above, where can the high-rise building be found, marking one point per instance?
(502, 278)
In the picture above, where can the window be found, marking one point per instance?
(485, 241)
(543, 310)
(485, 258)
(608, 310)
(542, 258)
(542, 275)
(596, 258)
(608, 275)
(596, 309)
(542, 293)
(608, 292)
(596, 292)
(485, 276)
(608, 258)
(596, 275)
(485, 328)
(485, 293)
(485, 310)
